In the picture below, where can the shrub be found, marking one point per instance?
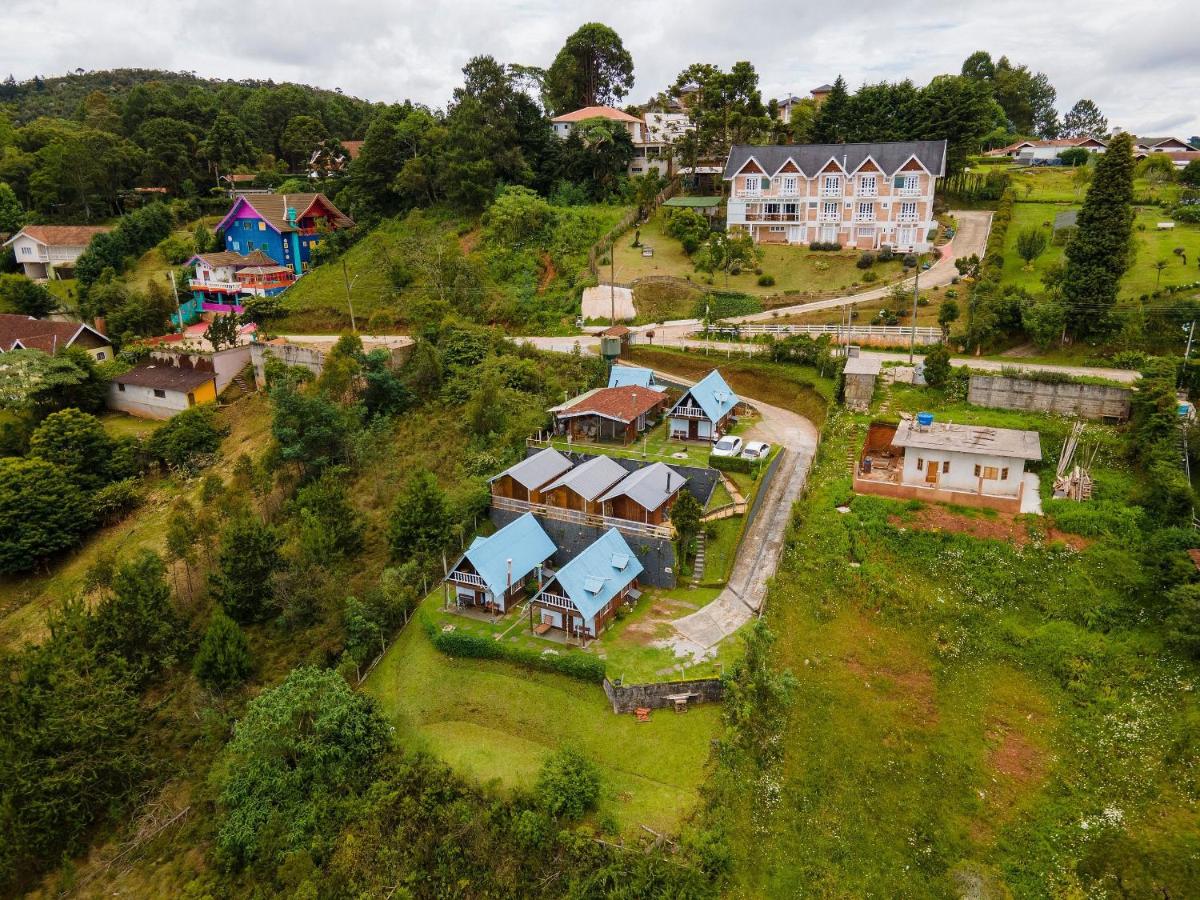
(187, 437)
(115, 501)
(568, 785)
(474, 646)
(937, 366)
(825, 246)
(223, 659)
(870, 276)
(910, 260)
(42, 511)
(886, 253)
(731, 464)
(766, 280)
(1189, 214)
(865, 260)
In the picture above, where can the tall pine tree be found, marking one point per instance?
(1099, 253)
(832, 121)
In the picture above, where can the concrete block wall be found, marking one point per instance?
(1090, 401)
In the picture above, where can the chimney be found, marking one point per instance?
(509, 589)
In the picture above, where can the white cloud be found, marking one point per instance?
(1142, 69)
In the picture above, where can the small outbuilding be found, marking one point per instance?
(858, 380)
(633, 376)
(162, 388)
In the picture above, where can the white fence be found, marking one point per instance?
(898, 333)
(627, 526)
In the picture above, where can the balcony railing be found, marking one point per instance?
(688, 412)
(468, 578)
(907, 218)
(555, 600)
(774, 217)
(197, 284)
(628, 526)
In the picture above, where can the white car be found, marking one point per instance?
(727, 446)
(756, 450)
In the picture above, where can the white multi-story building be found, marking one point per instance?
(652, 135)
(864, 196)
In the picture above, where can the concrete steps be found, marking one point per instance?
(698, 565)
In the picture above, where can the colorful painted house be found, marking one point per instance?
(493, 571)
(285, 227)
(222, 280)
(704, 411)
(585, 594)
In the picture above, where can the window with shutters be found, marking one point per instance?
(791, 185)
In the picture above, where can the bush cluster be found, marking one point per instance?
(865, 260)
(825, 246)
(474, 646)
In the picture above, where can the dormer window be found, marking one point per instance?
(832, 185)
(868, 185)
(791, 185)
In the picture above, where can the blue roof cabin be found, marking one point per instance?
(286, 227)
(633, 376)
(493, 571)
(584, 595)
(704, 411)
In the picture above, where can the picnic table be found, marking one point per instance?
(541, 628)
(680, 701)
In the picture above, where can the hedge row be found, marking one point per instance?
(475, 646)
(732, 464)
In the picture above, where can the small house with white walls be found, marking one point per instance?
(492, 573)
(585, 594)
(566, 123)
(971, 465)
(47, 252)
(704, 411)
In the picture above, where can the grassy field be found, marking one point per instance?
(794, 268)
(26, 600)
(498, 722)
(1152, 245)
(1057, 184)
(866, 313)
(980, 709)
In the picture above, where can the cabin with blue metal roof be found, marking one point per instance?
(633, 376)
(492, 573)
(705, 410)
(585, 594)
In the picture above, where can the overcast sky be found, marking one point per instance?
(1140, 63)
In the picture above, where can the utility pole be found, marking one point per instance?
(175, 291)
(1191, 330)
(912, 343)
(349, 302)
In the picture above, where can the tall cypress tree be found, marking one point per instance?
(1099, 253)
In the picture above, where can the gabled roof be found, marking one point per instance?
(60, 235)
(536, 470)
(523, 540)
(1152, 142)
(713, 395)
(28, 333)
(1064, 143)
(823, 89)
(233, 258)
(650, 486)
(1005, 442)
(596, 112)
(621, 404)
(604, 568)
(352, 148)
(273, 209)
(636, 376)
(889, 155)
(592, 478)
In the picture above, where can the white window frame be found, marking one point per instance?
(867, 232)
(778, 229)
(908, 211)
(911, 186)
(27, 251)
(831, 211)
(791, 185)
(868, 185)
(831, 186)
(752, 186)
(865, 212)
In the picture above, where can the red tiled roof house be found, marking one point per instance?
(609, 414)
(50, 251)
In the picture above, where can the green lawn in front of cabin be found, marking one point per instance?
(498, 722)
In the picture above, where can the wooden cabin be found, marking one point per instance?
(646, 495)
(493, 571)
(525, 480)
(585, 594)
(581, 487)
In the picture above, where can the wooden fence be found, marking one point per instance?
(605, 244)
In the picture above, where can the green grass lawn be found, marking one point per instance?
(119, 424)
(1152, 245)
(795, 269)
(1056, 184)
(496, 721)
(968, 711)
(653, 446)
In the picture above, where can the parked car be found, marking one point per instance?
(756, 450)
(727, 446)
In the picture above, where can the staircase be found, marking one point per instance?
(698, 565)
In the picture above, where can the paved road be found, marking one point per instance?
(696, 635)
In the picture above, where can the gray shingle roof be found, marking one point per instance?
(811, 158)
(537, 469)
(1009, 442)
(649, 487)
(591, 478)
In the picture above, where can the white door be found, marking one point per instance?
(795, 234)
(907, 237)
(829, 234)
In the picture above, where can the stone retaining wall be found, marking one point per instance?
(625, 698)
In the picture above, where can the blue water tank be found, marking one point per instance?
(1184, 408)
(924, 419)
